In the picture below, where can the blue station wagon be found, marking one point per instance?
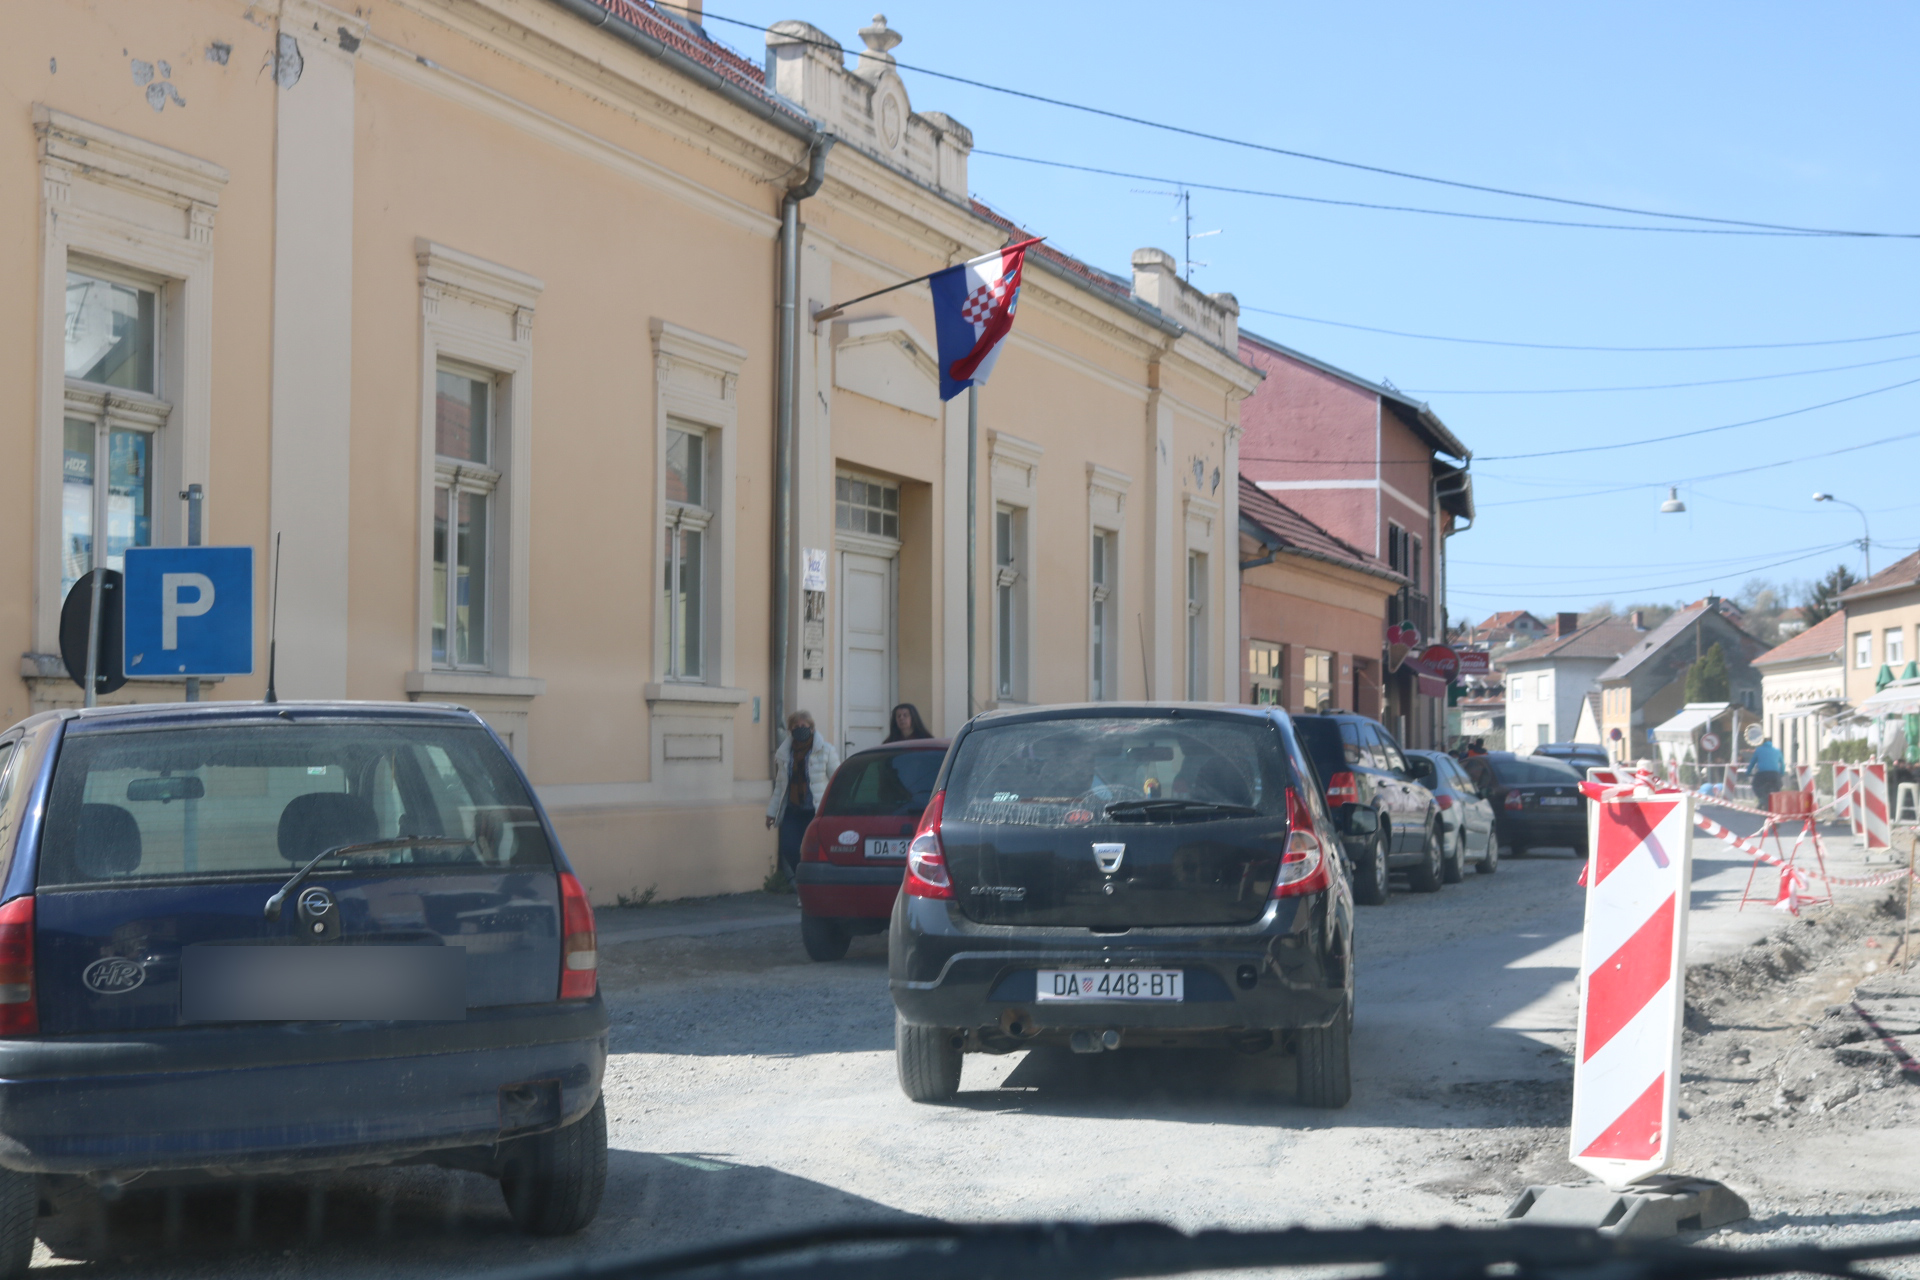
(250, 938)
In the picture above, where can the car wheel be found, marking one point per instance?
(1454, 870)
(1490, 856)
(1431, 873)
(928, 1059)
(1370, 885)
(19, 1210)
(553, 1181)
(1326, 1062)
(823, 939)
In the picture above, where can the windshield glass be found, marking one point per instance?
(1537, 769)
(248, 800)
(882, 784)
(1070, 772)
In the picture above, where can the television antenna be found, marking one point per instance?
(1185, 216)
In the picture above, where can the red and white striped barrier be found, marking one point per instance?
(1873, 805)
(1805, 773)
(1631, 969)
(1753, 850)
(1843, 791)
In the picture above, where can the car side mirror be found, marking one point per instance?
(1363, 821)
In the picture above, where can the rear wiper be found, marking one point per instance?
(1122, 807)
(925, 1250)
(279, 899)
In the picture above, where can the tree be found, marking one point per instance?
(1707, 678)
(1823, 598)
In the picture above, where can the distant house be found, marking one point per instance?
(1485, 717)
(1646, 686)
(1883, 622)
(1508, 626)
(1549, 680)
(1803, 683)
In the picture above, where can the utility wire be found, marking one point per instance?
(1403, 208)
(1739, 568)
(1659, 386)
(1702, 431)
(1103, 112)
(1662, 586)
(1557, 346)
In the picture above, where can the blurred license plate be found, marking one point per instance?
(886, 848)
(1109, 984)
(1559, 799)
(323, 983)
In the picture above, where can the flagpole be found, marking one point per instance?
(973, 511)
(829, 313)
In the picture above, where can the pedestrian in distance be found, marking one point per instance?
(801, 766)
(1766, 771)
(905, 724)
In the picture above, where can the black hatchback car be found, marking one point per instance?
(1117, 874)
(1387, 818)
(242, 937)
(1536, 801)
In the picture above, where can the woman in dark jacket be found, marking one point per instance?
(906, 723)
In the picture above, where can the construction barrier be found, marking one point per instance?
(1639, 869)
(1843, 792)
(1873, 805)
(1806, 772)
(1753, 850)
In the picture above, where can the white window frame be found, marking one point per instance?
(1014, 465)
(116, 205)
(697, 385)
(1202, 517)
(1862, 650)
(459, 477)
(678, 520)
(478, 315)
(1198, 631)
(1274, 677)
(1894, 645)
(1106, 519)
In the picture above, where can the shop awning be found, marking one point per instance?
(1693, 717)
(1901, 698)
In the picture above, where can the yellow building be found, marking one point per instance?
(470, 311)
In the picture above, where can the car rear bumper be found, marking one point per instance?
(838, 892)
(1560, 830)
(1286, 970)
(287, 1096)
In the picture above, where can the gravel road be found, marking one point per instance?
(751, 1090)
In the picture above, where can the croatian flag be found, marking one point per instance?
(973, 314)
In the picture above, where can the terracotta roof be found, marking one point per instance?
(1116, 285)
(1507, 617)
(1902, 573)
(701, 48)
(1608, 638)
(1824, 639)
(1283, 529)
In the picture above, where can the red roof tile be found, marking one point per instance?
(1294, 532)
(1825, 638)
(708, 52)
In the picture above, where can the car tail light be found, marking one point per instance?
(19, 1013)
(1303, 867)
(1515, 800)
(926, 858)
(1343, 789)
(579, 949)
(810, 850)
(1444, 801)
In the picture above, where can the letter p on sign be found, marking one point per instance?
(173, 608)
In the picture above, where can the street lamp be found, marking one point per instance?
(1866, 540)
(1673, 503)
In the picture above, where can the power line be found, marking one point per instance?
(1403, 208)
(1328, 160)
(1556, 346)
(1744, 566)
(1660, 386)
(1702, 431)
(1663, 586)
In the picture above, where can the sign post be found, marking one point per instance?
(189, 612)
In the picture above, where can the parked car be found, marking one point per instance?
(1579, 756)
(1387, 820)
(1466, 816)
(241, 937)
(1116, 874)
(855, 850)
(1536, 801)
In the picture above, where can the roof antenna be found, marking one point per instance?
(273, 621)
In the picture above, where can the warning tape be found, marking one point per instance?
(1753, 850)
(1737, 807)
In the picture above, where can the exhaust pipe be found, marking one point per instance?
(1094, 1041)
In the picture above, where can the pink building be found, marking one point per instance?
(1363, 462)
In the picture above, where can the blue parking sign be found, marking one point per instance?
(189, 612)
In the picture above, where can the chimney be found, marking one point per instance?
(687, 12)
(1565, 624)
(1639, 620)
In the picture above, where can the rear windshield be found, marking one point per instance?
(1070, 772)
(246, 800)
(883, 784)
(1321, 739)
(1537, 769)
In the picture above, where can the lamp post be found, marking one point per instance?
(1866, 532)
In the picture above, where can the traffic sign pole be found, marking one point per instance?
(193, 494)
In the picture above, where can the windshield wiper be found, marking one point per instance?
(1176, 805)
(926, 1250)
(279, 899)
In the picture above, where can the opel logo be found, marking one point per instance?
(113, 976)
(1109, 856)
(315, 903)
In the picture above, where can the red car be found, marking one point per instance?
(855, 851)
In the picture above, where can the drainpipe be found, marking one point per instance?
(783, 416)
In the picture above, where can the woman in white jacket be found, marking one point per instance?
(801, 767)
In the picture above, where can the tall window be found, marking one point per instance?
(683, 577)
(1266, 673)
(1863, 649)
(1896, 647)
(1009, 598)
(464, 489)
(1101, 626)
(1196, 626)
(1316, 680)
(112, 335)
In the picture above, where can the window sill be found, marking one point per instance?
(676, 691)
(474, 684)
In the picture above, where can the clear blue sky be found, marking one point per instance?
(1774, 112)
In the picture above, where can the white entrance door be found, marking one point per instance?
(866, 649)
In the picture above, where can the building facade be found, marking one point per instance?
(1547, 682)
(467, 315)
(1803, 688)
(1646, 686)
(1883, 627)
